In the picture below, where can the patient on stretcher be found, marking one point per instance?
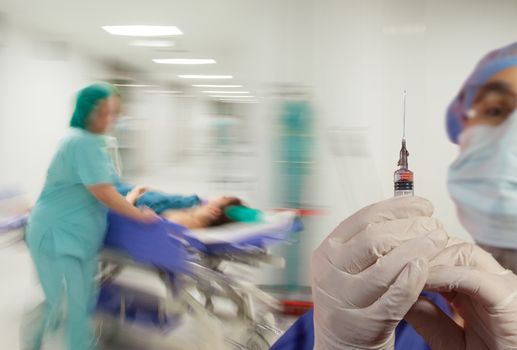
(216, 212)
(209, 214)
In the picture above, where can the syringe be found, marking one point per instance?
(403, 177)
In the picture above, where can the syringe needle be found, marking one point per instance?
(404, 117)
(403, 177)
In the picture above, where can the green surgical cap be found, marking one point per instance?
(87, 100)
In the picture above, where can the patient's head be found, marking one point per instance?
(222, 203)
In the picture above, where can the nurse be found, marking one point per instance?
(67, 225)
(482, 181)
(368, 273)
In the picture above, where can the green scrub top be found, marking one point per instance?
(67, 219)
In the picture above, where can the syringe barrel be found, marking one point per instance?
(404, 193)
(403, 182)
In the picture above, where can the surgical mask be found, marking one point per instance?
(482, 182)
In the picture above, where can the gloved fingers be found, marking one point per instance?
(496, 326)
(387, 268)
(390, 209)
(337, 326)
(439, 331)
(467, 254)
(340, 327)
(486, 288)
(361, 290)
(402, 293)
(454, 241)
(373, 327)
(377, 240)
(479, 331)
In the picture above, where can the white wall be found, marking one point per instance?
(37, 89)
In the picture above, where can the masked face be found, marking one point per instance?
(483, 179)
(483, 182)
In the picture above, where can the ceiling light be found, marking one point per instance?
(163, 91)
(133, 85)
(227, 96)
(184, 60)
(152, 43)
(226, 92)
(205, 76)
(143, 30)
(237, 101)
(219, 86)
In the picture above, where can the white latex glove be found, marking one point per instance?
(484, 293)
(370, 270)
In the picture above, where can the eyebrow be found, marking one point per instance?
(497, 86)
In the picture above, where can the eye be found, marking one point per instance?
(496, 112)
(496, 106)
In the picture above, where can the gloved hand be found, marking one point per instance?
(370, 270)
(484, 293)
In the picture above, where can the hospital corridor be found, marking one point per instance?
(258, 174)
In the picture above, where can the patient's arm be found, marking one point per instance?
(198, 217)
(183, 217)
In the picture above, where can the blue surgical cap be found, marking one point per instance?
(491, 64)
(87, 99)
